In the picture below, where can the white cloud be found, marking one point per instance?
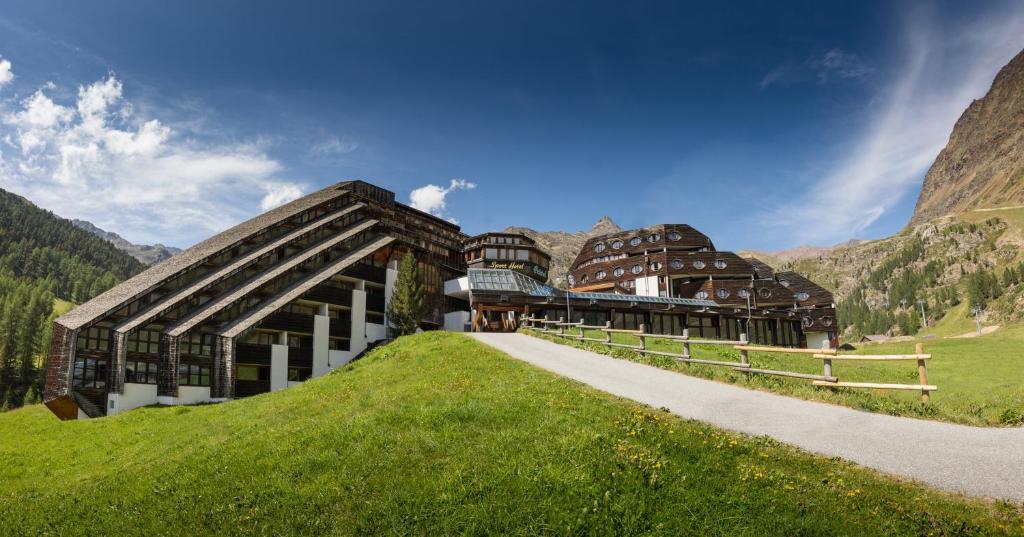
(6, 75)
(943, 70)
(279, 195)
(92, 159)
(432, 198)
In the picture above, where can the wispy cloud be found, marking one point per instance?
(830, 65)
(334, 146)
(94, 159)
(432, 198)
(942, 70)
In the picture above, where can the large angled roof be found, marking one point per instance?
(128, 290)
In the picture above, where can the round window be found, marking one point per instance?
(583, 279)
(599, 247)
(827, 321)
(655, 266)
(674, 236)
(600, 274)
(784, 283)
(619, 271)
(764, 292)
(701, 295)
(698, 264)
(807, 322)
(653, 237)
(677, 264)
(722, 293)
(635, 241)
(637, 269)
(572, 281)
(720, 264)
(801, 296)
(743, 293)
(617, 244)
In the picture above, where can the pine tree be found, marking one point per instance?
(409, 299)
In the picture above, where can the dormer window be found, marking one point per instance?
(619, 271)
(801, 296)
(720, 264)
(599, 247)
(653, 237)
(616, 244)
(701, 295)
(784, 283)
(722, 293)
(677, 264)
(600, 274)
(764, 292)
(637, 269)
(656, 266)
(743, 293)
(674, 236)
(698, 264)
(635, 241)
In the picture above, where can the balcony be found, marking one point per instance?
(291, 322)
(367, 272)
(300, 357)
(375, 302)
(249, 353)
(331, 295)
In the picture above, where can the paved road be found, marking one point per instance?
(973, 460)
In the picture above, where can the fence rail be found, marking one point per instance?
(827, 379)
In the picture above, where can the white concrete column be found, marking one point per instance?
(357, 339)
(321, 335)
(279, 364)
(390, 277)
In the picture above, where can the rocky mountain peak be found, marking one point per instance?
(604, 226)
(982, 165)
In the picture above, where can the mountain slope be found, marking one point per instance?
(564, 246)
(146, 253)
(436, 434)
(982, 166)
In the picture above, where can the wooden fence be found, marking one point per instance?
(827, 356)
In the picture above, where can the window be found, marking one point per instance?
(522, 255)
(197, 345)
(655, 266)
(743, 293)
(722, 293)
(140, 372)
(720, 264)
(599, 247)
(677, 264)
(193, 375)
(653, 237)
(337, 344)
(619, 271)
(299, 374)
(674, 236)
(600, 275)
(616, 244)
(784, 283)
(583, 278)
(637, 269)
(248, 372)
(764, 292)
(635, 241)
(95, 338)
(144, 341)
(701, 295)
(490, 253)
(827, 321)
(90, 373)
(801, 296)
(806, 322)
(698, 264)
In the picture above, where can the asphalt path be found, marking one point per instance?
(976, 461)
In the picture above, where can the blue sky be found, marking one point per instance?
(767, 126)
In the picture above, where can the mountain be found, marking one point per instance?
(800, 252)
(982, 166)
(564, 246)
(148, 254)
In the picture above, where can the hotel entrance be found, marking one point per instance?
(493, 318)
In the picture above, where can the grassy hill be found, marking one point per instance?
(436, 434)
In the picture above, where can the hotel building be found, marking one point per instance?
(303, 289)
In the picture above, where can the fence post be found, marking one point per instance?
(922, 371)
(608, 335)
(581, 328)
(643, 339)
(561, 329)
(827, 362)
(744, 355)
(686, 343)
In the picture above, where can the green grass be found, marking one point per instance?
(980, 380)
(436, 434)
(60, 306)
